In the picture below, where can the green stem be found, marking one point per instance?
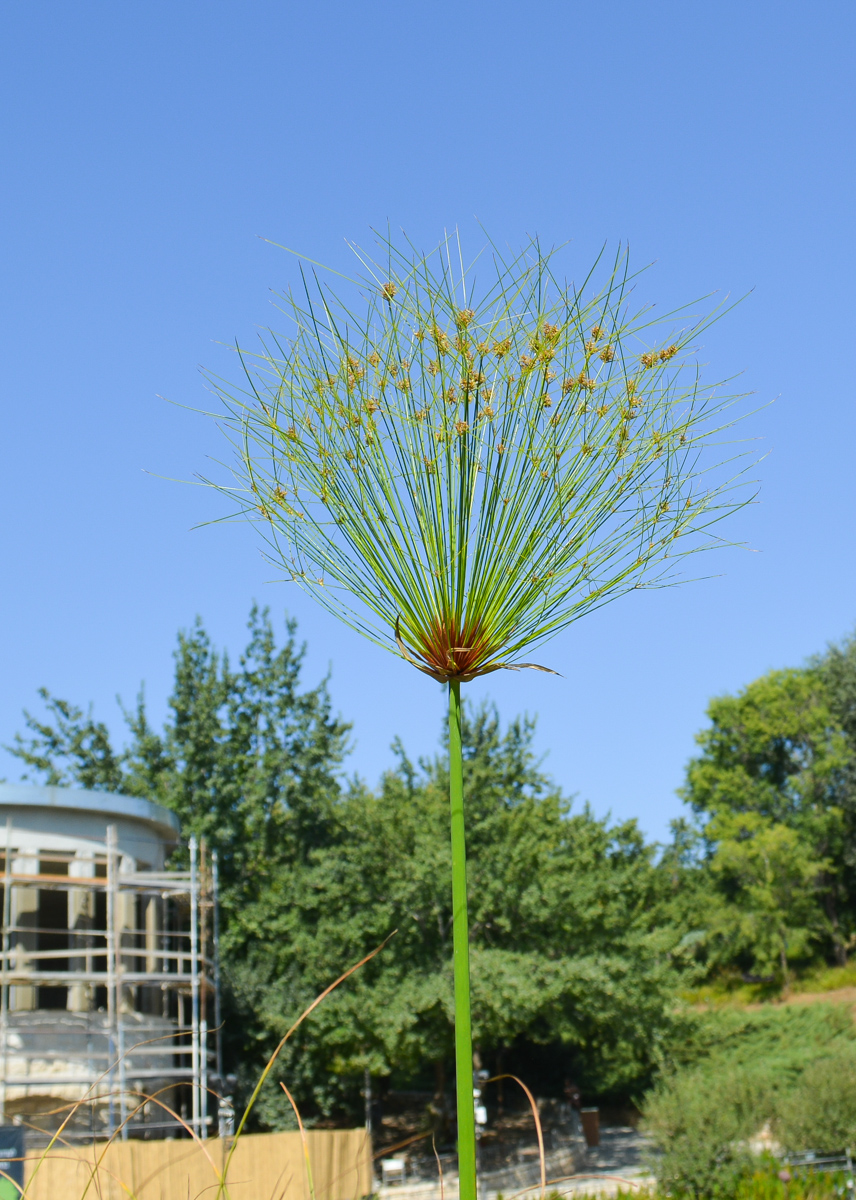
(461, 938)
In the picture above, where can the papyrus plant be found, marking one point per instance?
(461, 462)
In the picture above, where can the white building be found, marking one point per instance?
(106, 981)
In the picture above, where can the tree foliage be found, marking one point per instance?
(771, 788)
(582, 932)
(246, 759)
(564, 950)
(772, 876)
(566, 945)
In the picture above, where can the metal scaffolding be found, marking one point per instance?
(109, 1009)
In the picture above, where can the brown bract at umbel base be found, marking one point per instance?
(444, 661)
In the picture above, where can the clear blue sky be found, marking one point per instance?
(147, 148)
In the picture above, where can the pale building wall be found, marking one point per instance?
(24, 911)
(81, 917)
(48, 1053)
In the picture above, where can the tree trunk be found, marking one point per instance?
(441, 1111)
(839, 949)
(783, 959)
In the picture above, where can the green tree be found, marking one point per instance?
(247, 759)
(565, 951)
(569, 948)
(687, 897)
(769, 873)
(776, 759)
(837, 668)
(837, 671)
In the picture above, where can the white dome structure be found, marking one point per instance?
(107, 970)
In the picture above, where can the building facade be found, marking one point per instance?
(108, 973)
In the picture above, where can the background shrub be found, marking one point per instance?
(700, 1123)
(820, 1113)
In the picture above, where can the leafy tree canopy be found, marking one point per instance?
(569, 943)
(246, 759)
(772, 789)
(565, 949)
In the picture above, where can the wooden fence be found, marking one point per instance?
(265, 1166)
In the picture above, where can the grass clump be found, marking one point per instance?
(826, 979)
(732, 988)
